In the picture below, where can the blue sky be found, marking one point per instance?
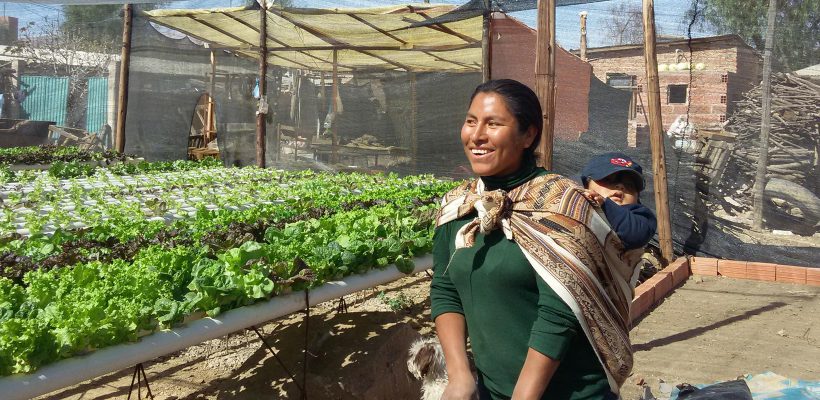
(669, 15)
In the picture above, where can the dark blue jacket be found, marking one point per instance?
(635, 224)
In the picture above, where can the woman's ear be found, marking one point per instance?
(529, 136)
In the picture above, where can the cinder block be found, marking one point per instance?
(679, 270)
(732, 269)
(760, 271)
(790, 274)
(703, 266)
(813, 276)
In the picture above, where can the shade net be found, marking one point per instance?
(404, 74)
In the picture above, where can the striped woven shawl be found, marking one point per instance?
(571, 247)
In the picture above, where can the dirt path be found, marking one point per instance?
(709, 329)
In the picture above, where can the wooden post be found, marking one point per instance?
(486, 50)
(414, 145)
(334, 108)
(125, 60)
(545, 76)
(261, 111)
(583, 15)
(209, 123)
(656, 132)
(765, 120)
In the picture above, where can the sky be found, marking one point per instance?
(669, 15)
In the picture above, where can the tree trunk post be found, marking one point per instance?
(656, 133)
(583, 15)
(545, 77)
(335, 109)
(765, 121)
(262, 108)
(486, 43)
(125, 60)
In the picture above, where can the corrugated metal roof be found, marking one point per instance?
(364, 39)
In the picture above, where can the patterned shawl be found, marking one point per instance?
(570, 245)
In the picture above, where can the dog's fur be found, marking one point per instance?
(426, 362)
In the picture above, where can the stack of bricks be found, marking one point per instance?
(755, 271)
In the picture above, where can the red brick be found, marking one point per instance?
(642, 303)
(760, 271)
(813, 276)
(790, 274)
(732, 269)
(679, 270)
(662, 281)
(703, 266)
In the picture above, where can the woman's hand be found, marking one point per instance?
(460, 388)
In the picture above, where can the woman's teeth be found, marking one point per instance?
(480, 152)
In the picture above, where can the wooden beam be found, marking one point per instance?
(281, 43)
(125, 60)
(765, 120)
(442, 28)
(335, 42)
(261, 112)
(545, 77)
(656, 135)
(222, 31)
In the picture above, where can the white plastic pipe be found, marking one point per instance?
(74, 370)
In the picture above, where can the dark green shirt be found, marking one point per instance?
(509, 309)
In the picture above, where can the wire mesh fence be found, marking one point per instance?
(384, 87)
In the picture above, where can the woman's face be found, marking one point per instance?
(491, 138)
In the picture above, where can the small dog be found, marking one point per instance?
(426, 362)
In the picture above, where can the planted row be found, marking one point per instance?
(316, 195)
(69, 311)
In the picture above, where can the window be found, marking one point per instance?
(723, 99)
(620, 80)
(639, 109)
(676, 94)
(640, 88)
(724, 78)
(722, 118)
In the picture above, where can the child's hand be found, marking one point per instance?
(593, 196)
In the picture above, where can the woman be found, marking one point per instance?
(525, 265)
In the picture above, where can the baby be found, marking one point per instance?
(615, 182)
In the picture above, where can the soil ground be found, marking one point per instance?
(708, 330)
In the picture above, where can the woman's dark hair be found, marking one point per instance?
(522, 103)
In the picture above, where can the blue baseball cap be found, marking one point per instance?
(601, 166)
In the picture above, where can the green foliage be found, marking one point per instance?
(396, 303)
(56, 313)
(797, 28)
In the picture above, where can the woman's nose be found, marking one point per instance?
(479, 132)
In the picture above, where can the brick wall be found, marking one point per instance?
(706, 104)
(513, 57)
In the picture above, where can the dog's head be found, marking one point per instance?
(426, 359)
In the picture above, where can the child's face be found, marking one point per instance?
(618, 187)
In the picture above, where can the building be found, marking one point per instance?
(723, 68)
(513, 57)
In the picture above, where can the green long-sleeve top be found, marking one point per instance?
(509, 309)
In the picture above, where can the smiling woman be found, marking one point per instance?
(507, 259)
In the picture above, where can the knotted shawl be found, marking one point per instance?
(571, 247)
